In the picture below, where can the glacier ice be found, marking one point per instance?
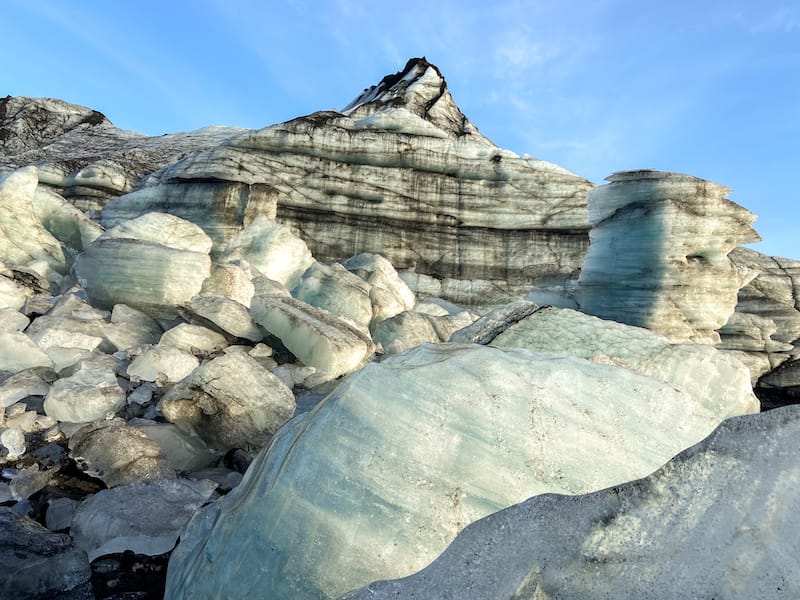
(320, 339)
(658, 256)
(90, 393)
(111, 521)
(377, 479)
(154, 263)
(163, 364)
(118, 454)
(271, 248)
(717, 521)
(714, 379)
(230, 401)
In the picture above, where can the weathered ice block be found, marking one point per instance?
(118, 454)
(234, 281)
(111, 522)
(659, 254)
(130, 328)
(89, 394)
(717, 521)
(715, 380)
(230, 402)
(378, 479)
(773, 293)
(337, 290)
(194, 339)
(18, 352)
(154, 263)
(318, 338)
(226, 314)
(65, 222)
(38, 563)
(389, 294)
(24, 242)
(410, 329)
(163, 363)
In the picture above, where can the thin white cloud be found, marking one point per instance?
(518, 50)
(98, 37)
(783, 20)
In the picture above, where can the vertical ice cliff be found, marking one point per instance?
(658, 256)
(400, 172)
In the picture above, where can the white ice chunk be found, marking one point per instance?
(163, 364)
(318, 338)
(91, 393)
(18, 352)
(271, 248)
(337, 290)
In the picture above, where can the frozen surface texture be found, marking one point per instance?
(226, 314)
(24, 242)
(659, 254)
(389, 294)
(91, 393)
(409, 329)
(383, 473)
(271, 248)
(337, 290)
(717, 381)
(163, 364)
(717, 521)
(118, 454)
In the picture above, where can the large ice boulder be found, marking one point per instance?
(271, 248)
(378, 479)
(154, 263)
(91, 393)
(717, 521)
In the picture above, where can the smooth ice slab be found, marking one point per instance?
(318, 338)
(714, 379)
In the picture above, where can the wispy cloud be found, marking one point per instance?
(99, 38)
(783, 20)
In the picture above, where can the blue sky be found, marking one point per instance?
(707, 87)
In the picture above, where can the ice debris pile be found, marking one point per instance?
(341, 297)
